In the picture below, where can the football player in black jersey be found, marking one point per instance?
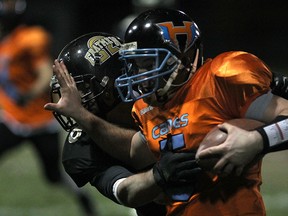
(92, 60)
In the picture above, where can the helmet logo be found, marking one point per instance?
(74, 135)
(101, 49)
(170, 33)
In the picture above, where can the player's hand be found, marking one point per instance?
(238, 150)
(173, 168)
(70, 102)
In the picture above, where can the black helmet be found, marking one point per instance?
(92, 60)
(171, 38)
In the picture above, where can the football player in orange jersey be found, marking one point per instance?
(25, 72)
(177, 102)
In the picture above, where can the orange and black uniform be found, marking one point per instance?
(20, 54)
(222, 89)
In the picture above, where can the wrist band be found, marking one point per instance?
(266, 145)
(158, 177)
(115, 189)
(274, 134)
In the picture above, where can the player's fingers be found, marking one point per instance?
(65, 71)
(189, 173)
(62, 74)
(51, 107)
(57, 67)
(191, 164)
(220, 165)
(225, 126)
(68, 78)
(59, 73)
(210, 152)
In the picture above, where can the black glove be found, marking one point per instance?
(175, 168)
(279, 85)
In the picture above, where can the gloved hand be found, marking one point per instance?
(175, 168)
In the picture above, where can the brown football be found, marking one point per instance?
(216, 137)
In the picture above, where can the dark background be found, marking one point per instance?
(259, 27)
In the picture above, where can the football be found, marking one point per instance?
(216, 137)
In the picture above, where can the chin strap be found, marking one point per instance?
(195, 63)
(162, 92)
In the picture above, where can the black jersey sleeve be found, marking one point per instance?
(104, 181)
(82, 159)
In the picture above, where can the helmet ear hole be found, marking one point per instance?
(95, 85)
(107, 95)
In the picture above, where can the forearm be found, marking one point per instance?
(111, 138)
(173, 170)
(274, 133)
(138, 189)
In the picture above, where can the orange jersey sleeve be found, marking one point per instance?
(222, 89)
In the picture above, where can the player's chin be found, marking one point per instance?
(151, 100)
